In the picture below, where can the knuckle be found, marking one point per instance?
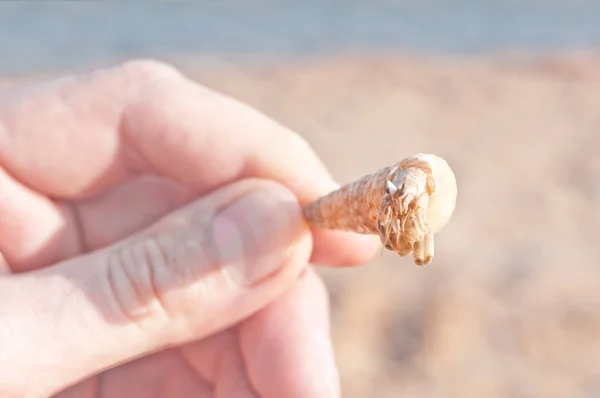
(149, 71)
(138, 278)
(157, 279)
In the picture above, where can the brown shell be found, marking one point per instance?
(366, 207)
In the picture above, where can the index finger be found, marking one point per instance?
(82, 135)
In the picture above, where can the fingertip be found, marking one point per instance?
(341, 248)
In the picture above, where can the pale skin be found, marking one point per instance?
(96, 166)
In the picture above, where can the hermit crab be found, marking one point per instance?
(405, 204)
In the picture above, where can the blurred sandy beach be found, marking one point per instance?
(510, 306)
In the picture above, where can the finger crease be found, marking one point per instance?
(152, 278)
(82, 241)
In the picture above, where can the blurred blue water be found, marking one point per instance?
(40, 35)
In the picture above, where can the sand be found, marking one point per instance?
(510, 307)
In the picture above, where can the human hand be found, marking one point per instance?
(143, 216)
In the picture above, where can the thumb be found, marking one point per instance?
(195, 272)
